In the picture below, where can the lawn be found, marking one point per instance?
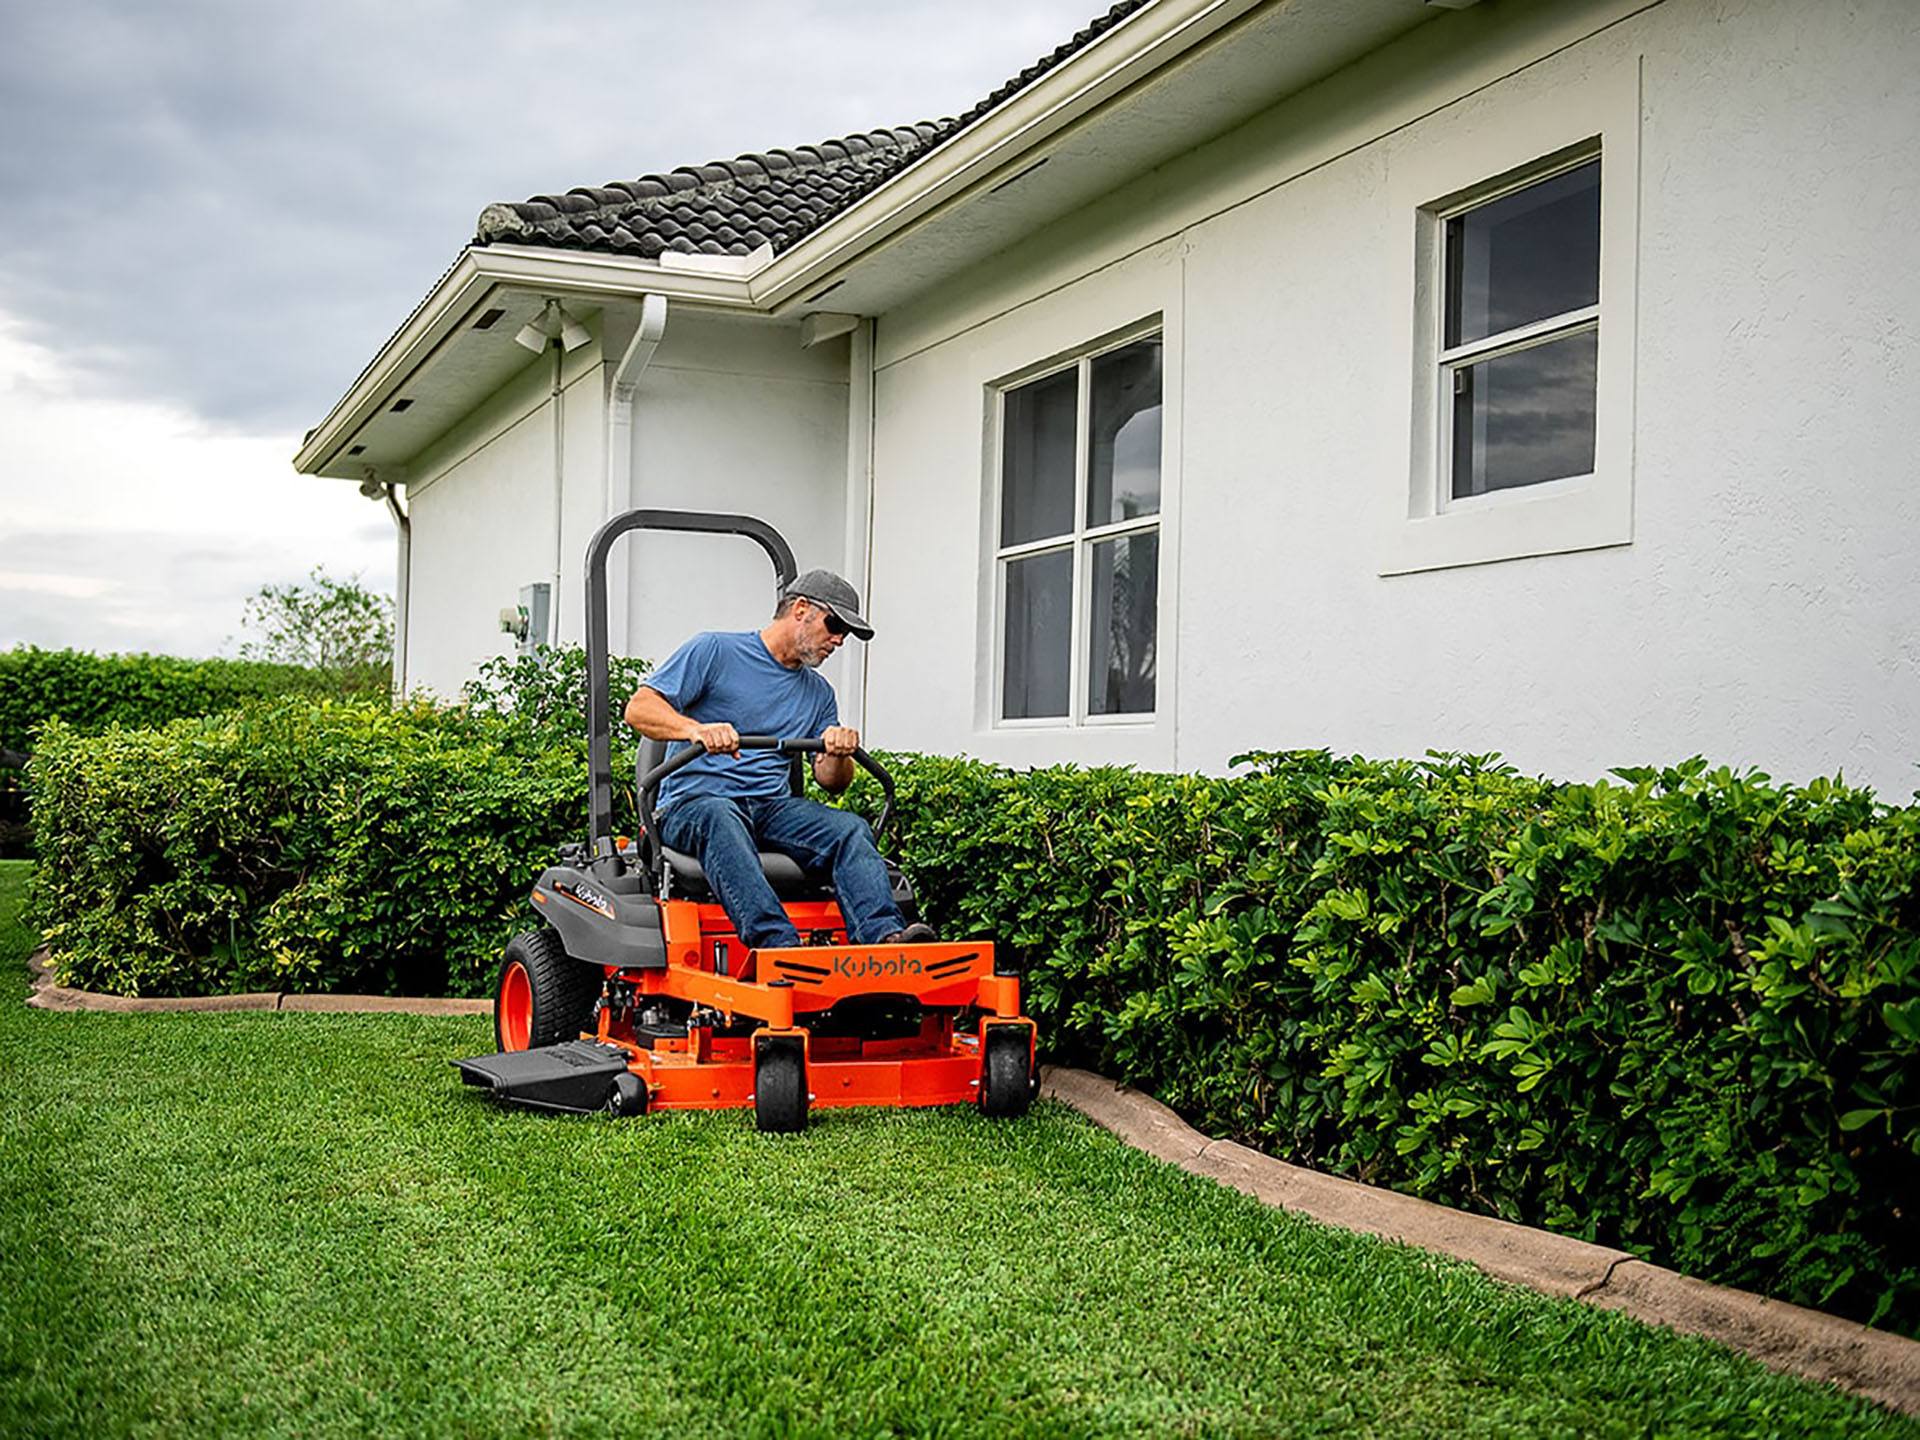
(303, 1223)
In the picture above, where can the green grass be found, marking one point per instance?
(293, 1223)
(17, 942)
(281, 1223)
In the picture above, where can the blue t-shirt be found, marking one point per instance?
(732, 678)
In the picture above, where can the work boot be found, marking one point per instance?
(914, 934)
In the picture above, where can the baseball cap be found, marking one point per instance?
(840, 599)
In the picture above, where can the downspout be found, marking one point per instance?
(559, 491)
(374, 488)
(860, 497)
(620, 479)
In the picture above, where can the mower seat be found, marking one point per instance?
(783, 872)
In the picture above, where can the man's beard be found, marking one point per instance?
(811, 654)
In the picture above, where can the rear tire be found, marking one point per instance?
(544, 996)
(779, 1089)
(1006, 1073)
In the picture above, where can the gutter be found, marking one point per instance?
(620, 479)
(465, 290)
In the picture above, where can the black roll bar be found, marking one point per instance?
(599, 728)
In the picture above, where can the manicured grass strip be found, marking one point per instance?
(17, 942)
(292, 1223)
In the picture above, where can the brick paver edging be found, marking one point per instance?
(1873, 1363)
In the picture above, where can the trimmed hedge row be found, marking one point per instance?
(296, 846)
(315, 845)
(1679, 1014)
(91, 692)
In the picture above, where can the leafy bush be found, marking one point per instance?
(317, 845)
(91, 692)
(299, 846)
(1679, 1015)
(542, 697)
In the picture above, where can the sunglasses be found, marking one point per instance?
(835, 625)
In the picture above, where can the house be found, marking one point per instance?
(1370, 374)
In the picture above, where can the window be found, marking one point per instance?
(1518, 277)
(1521, 335)
(1078, 538)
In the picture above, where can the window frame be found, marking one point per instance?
(1459, 157)
(1080, 540)
(1449, 361)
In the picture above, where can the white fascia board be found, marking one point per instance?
(479, 271)
(1145, 41)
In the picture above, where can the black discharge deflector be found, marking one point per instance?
(575, 1077)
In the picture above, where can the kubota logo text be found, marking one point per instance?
(872, 967)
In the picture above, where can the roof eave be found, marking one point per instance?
(473, 277)
(1145, 41)
(1152, 37)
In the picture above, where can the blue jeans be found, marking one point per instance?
(726, 835)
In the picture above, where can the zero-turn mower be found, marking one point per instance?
(633, 992)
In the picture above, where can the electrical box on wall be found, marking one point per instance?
(527, 621)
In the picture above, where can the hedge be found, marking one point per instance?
(1679, 1014)
(91, 692)
(94, 691)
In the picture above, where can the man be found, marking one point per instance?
(730, 804)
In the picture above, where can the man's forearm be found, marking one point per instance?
(650, 714)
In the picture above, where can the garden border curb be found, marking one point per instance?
(1808, 1343)
(49, 996)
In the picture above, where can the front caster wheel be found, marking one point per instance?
(626, 1096)
(1006, 1072)
(779, 1086)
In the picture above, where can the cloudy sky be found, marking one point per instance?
(219, 209)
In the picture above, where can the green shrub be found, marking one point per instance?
(1679, 1015)
(300, 846)
(90, 692)
(542, 697)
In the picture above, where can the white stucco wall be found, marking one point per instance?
(1767, 337)
(733, 415)
(483, 516)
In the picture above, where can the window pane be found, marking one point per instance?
(1036, 470)
(1039, 635)
(1525, 256)
(1525, 417)
(1123, 466)
(1124, 621)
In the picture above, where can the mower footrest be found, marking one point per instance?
(574, 1077)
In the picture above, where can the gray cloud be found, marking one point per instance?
(135, 590)
(229, 205)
